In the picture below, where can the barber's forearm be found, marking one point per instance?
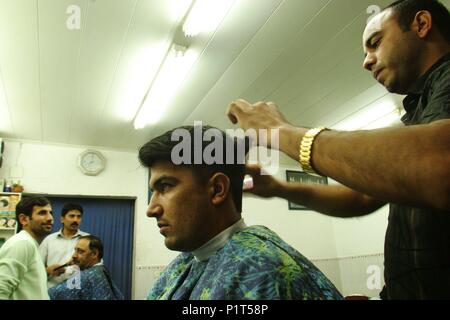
(336, 201)
(290, 139)
(407, 165)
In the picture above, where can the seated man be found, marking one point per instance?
(198, 211)
(94, 281)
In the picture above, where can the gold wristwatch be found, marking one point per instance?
(306, 150)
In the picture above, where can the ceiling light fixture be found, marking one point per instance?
(176, 66)
(203, 16)
(376, 116)
(206, 16)
(388, 120)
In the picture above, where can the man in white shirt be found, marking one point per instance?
(22, 272)
(57, 248)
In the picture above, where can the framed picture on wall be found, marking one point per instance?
(302, 177)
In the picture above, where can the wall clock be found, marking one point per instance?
(91, 162)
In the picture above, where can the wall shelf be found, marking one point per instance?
(8, 223)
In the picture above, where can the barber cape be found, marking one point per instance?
(94, 283)
(253, 264)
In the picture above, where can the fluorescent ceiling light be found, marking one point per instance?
(174, 70)
(206, 16)
(142, 67)
(203, 16)
(385, 121)
(139, 74)
(176, 9)
(375, 116)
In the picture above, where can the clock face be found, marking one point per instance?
(92, 162)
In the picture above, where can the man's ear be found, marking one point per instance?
(23, 219)
(95, 254)
(220, 187)
(422, 24)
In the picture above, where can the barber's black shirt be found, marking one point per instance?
(417, 246)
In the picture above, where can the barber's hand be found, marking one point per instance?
(51, 272)
(262, 115)
(264, 186)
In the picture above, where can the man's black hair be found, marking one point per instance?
(69, 207)
(25, 206)
(95, 243)
(406, 10)
(160, 149)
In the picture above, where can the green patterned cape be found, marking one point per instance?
(255, 264)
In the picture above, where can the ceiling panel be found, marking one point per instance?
(150, 34)
(295, 66)
(357, 102)
(19, 66)
(341, 79)
(106, 24)
(6, 128)
(59, 49)
(85, 86)
(318, 50)
(221, 50)
(264, 48)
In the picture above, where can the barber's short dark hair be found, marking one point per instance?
(160, 149)
(95, 243)
(69, 207)
(406, 10)
(25, 206)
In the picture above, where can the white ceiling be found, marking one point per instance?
(84, 86)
